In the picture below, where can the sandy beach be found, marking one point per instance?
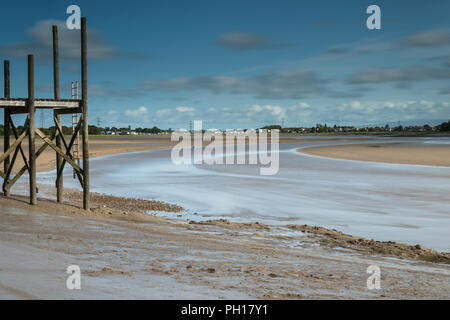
(401, 153)
(98, 146)
(129, 254)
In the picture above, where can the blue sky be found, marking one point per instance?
(242, 64)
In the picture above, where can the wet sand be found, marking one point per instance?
(133, 255)
(399, 153)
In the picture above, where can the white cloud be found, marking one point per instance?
(184, 109)
(112, 116)
(300, 106)
(175, 115)
(162, 112)
(267, 111)
(138, 113)
(379, 111)
(353, 112)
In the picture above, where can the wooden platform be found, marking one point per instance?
(62, 148)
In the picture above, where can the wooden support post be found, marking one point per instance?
(85, 132)
(6, 133)
(59, 179)
(31, 130)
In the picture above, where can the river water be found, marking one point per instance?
(396, 202)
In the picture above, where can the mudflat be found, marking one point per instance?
(126, 253)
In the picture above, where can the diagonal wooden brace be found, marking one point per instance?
(6, 181)
(20, 145)
(61, 135)
(58, 150)
(68, 148)
(11, 182)
(6, 175)
(13, 146)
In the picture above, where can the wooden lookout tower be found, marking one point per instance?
(57, 141)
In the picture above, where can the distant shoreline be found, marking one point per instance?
(101, 145)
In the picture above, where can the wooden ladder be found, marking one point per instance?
(75, 117)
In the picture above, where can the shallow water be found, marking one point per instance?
(403, 203)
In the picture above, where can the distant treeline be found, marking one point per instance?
(94, 130)
(323, 128)
(445, 126)
(48, 131)
(154, 130)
